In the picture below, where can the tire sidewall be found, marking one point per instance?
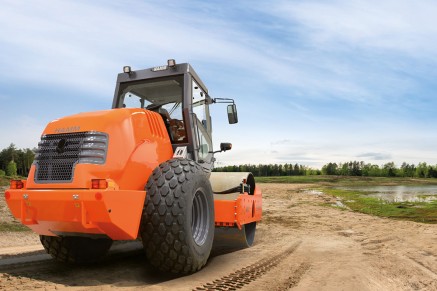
(200, 183)
(166, 230)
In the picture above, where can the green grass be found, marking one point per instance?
(12, 227)
(4, 181)
(348, 180)
(296, 179)
(358, 201)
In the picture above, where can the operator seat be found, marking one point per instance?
(175, 127)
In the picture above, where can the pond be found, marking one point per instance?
(426, 193)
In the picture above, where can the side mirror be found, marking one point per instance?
(232, 114)
(225, 146)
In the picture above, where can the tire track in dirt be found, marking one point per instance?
(423, 267)
(293, 280)
(246, 275)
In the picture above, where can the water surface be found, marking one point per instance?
(426, 193)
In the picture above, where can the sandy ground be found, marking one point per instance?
(299, 245)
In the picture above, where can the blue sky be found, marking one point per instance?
(314, 81)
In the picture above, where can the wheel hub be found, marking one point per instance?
(200, 218)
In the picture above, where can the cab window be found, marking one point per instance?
(200, 110)
(162, 95)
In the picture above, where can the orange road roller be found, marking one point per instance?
(142, 169)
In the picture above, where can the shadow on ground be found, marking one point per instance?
(128, 268)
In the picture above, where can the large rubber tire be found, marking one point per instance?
(177, 227)
(76, 249)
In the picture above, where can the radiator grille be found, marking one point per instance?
(58, 154)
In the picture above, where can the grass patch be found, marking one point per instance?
(13, 227)
(298, 179)
(430, 197)
(4, 181)
(348, 180)
(416, 211)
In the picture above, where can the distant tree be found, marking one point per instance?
(11, 169)
(432, 172)
(344, 169)
(421, 170)
(407, 170)
(356, 168)
(366, 170)
(389, 170)
(330, 169)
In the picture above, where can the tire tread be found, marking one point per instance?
(162, 227)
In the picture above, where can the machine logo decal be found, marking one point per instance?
(67, 129)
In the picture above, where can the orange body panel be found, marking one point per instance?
(116, 213)
(245, 209)
(137, 143)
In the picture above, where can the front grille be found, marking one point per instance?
(58, 154)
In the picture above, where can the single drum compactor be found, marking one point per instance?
(140, 169)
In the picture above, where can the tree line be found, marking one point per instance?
(352, 168)
(15, 161)
(271, 170)
(359, 168)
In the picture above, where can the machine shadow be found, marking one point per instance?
(129, 269)
(122, 269)
(223, 250)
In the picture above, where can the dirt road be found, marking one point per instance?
(299, 246)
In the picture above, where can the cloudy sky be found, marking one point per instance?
(314, 81)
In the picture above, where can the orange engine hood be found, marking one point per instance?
(137, 142)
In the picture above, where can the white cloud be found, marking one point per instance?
(285, 63)
(318, 153)
(400, 26)
(375, 156)
(359, 51)
(80, 45)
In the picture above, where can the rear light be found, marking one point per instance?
(7, 195)
(99, 184)
(17, 184)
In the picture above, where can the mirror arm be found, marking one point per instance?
(223, 148)
(219, 151)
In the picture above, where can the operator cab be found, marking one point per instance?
(164, 96)
(180, 97)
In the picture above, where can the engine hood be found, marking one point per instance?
(136, 141)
